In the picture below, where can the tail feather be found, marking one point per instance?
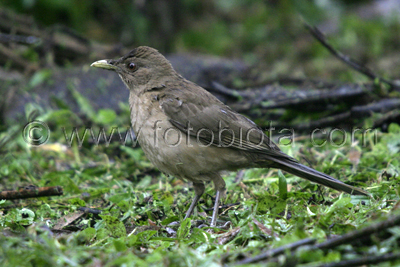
(312, 175)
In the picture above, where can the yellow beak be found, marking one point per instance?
(103, 64)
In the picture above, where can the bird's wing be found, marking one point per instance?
(201, 115)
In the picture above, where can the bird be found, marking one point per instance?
(188, 133)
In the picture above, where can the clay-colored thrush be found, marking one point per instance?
(187, 132)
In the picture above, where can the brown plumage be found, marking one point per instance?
(187, 132)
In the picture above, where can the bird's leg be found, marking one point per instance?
(216, 209)
(198, 190)
(219, 184)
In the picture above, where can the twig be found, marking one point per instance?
(277, 251)
(334, 242)
(364, 261)
(346, 59)
(358, 234)
(32, 192)
(382, 106)
(89, 210)
(393, 115)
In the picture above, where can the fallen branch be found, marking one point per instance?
(358, 234)
(348, 238)
(30, 192)
(364, 261)
(277, 251)
(276, 96)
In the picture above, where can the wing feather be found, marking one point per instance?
(210, 121)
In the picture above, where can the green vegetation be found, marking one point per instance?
(137, 203)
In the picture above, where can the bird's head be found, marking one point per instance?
(143, 68)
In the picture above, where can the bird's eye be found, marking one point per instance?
(131, 66)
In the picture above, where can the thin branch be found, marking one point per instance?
(89, 210)
(334, 242)
(359, 234)
(364, 261)
(277, 251)
(32, 192)
(346, 59)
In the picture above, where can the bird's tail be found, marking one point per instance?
(308, 173)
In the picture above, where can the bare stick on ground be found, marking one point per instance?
(30, 192)
(348, 238)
